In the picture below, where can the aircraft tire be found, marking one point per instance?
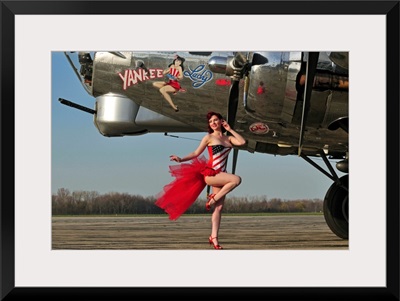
(336, 208)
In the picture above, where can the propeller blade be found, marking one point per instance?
(233, 103)
(235, 157)
(258, 59)
(117, 53)
(233, 100)
(310, 73)
(232, 109)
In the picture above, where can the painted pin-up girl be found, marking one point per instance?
(174, 72)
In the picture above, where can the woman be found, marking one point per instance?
(174, 73)
(192, 178)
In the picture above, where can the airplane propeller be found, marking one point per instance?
(237, 67)
(238, 64)
(241, 67)
(233, 100)
(231, 116)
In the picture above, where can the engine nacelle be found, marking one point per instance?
(117, 115)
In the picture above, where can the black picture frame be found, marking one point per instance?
(11, 8)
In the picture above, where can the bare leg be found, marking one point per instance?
(222, 183)
(158, 85)
(226, 181)
(164, 91)
(216, 217)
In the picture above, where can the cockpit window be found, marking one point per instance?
(86, 69)
(82, 63)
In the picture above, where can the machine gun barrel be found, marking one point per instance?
(76, 106)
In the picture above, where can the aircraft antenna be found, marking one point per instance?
(174, 136)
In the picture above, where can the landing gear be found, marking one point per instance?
(336, 202)
(336, 208)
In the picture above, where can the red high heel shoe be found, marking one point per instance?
(210, 197)
(216, 247)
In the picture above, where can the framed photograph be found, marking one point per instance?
(32, 30)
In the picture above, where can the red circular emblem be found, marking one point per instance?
(259, 128)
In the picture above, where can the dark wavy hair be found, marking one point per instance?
(178, 58)
(209, 115)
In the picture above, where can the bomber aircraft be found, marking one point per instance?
(282, 103)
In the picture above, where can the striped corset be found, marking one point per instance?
(218, 155)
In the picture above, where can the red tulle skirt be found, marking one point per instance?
(181, 193)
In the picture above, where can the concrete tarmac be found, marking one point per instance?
(279, 232)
